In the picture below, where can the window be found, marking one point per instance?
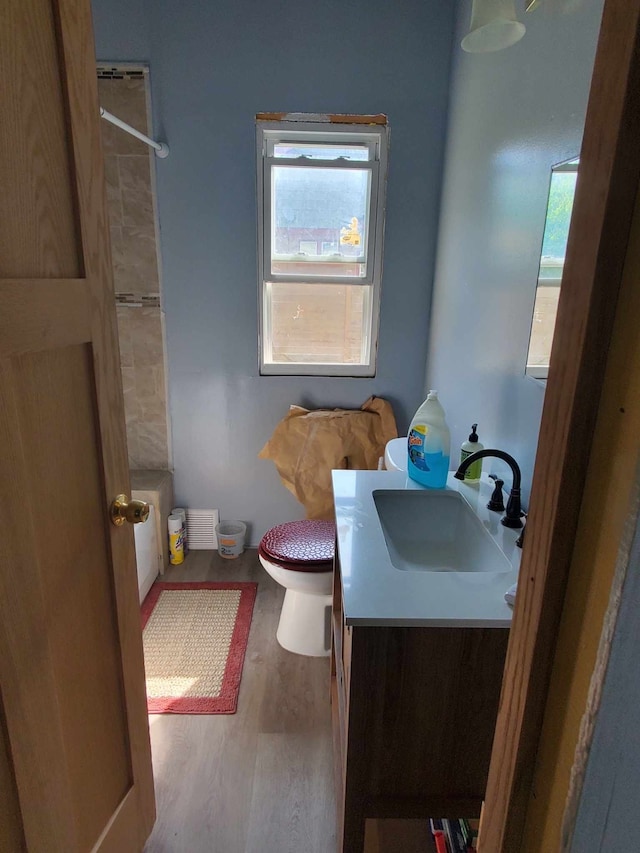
(554, 246)
(321, 193)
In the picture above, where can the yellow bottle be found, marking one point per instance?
(176, 540)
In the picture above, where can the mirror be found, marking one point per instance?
(554, 245)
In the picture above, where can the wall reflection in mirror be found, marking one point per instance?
(554, 245)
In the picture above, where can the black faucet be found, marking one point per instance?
(512, 515)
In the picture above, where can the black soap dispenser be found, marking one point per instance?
(472, 445)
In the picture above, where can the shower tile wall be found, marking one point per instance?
(128, 172)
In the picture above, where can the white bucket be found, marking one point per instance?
(230, 538)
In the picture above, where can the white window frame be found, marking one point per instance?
(548, 262)
(375, 137)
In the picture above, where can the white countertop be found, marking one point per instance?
(376, 593)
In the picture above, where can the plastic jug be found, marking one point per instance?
(429, 444)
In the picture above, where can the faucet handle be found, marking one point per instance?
(520, 539)
(496, 502)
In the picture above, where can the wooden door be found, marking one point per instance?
(600, 226)
(75, 765)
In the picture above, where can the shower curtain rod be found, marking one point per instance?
(161, 148)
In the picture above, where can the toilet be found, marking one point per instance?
(395, 454)
(299, 556)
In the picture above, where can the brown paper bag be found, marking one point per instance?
(307, 445)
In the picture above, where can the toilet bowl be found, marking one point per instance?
(299, 556)
(395, 454)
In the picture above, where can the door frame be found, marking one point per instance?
(598, 239)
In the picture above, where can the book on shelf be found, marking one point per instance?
(474, 828)
(439, 837)
(462, 829)
(454, 835)
(468, 833)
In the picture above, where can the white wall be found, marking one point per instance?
(512, 115)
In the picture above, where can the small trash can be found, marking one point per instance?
(230, 538)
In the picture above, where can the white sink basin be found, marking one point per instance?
(436, 531)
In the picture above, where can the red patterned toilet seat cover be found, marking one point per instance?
(306, 541)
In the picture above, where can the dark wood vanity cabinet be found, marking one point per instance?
(414, 711)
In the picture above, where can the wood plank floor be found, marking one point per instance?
(260, 780)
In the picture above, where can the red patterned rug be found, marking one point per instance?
(195, 638)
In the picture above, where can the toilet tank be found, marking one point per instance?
(395, 454)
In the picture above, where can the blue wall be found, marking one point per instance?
(512, 115)
(213, 66)
(121, 28)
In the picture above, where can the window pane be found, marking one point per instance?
(319, 221)
(554, 249)
(556, 227)
(320, 151)
(319, 323)
(544, 321)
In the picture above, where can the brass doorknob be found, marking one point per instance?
(122, 509)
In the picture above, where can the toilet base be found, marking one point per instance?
(305, 624)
